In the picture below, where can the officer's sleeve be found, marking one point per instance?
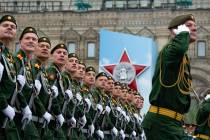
(176, 48)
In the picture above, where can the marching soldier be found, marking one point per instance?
(28, 41)
(42, 101)
(170, 95)
(138, 102)
(71, 69)
(202, 132)
(11, 82)
(86, 92)
(77, 81)
(60, 56)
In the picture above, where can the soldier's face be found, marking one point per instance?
(110, 85)
(60, 57)
(71, 65)
(42, 50)
(116, 91)
(89, 78)
(140, 103)
(130, 97)
(80, 73)
(29, 42)
(7, 31)
(101, 82)
(193, 30)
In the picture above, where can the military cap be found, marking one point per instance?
(117, 83)
(101, 74)
(44, 39)
(110, 78)
(28, 30)
(81, 63)
(59, 46)
(73, 55)
(90, 68)
(141, 97)
(8, 18)
(124, 87)
(180, 20)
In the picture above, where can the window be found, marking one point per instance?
(71, 47)
(91, 49)
(201, 48)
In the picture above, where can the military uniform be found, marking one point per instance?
(41, 102)
(7, 84)
(55, 79)
(30, 131)
(202, 131)
(170, 97)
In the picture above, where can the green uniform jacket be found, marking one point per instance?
(55, 78)
(170, 59)
(7, 87)
(30, 71)
(203, 119)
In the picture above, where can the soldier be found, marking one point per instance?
(86, 92)
(100, 101)
(78, 77)
(202, 132)
(60, 56)
(28, 41)
(71, 69)
(11, 82)
(138, 102)
(170, 95)
(42, 101)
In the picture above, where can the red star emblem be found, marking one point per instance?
(125, 60)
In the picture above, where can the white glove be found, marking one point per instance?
(78, 97)
(114, 131)
(9, 112)
(55, 91)
(108, 109)
(73, 122)
(88, 104)
(1, 70)
(21, 79)
(181, 28)
(47, 116)
(207, 97)
(38, 86)
(119, 109)
(99, 108)
(122, 134)
(100, 134)
(91, 129)
(69, 94)
(60, 119)
(136, 116)
(133, 133)
(127, 118)
(27, 114)
(123, 113)
(82, 121)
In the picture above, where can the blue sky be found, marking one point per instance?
(141, 51)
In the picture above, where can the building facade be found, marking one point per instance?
(63, 21)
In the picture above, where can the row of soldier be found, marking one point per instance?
(63, 99)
